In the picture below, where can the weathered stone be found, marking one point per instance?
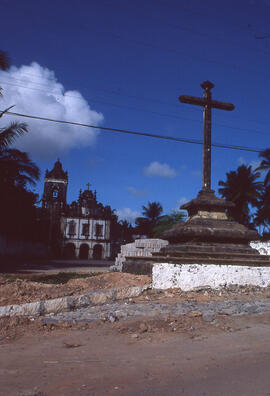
(208, 317)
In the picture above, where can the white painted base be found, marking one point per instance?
(189, 276)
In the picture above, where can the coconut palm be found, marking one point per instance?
(242, 188)
(17, 169)
(262, 215)
(152, 211)
(265, 165)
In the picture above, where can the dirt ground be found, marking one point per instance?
(144, 356)
(139, 357)
(20, 289)
(26, 288)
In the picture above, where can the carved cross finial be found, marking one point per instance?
(88, 186)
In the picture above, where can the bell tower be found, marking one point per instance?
(55, 188)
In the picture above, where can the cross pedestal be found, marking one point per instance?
(207, 236)
(207, 220)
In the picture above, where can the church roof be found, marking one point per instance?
(57, 172)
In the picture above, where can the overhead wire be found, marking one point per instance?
(130, 132)
(176, 116)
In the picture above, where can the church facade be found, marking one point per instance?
(82, 228)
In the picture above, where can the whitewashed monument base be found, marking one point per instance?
(189, 276)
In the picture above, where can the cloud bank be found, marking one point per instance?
(127, 214)
(34, 90)
(156, 169)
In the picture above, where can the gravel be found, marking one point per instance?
(125, 310)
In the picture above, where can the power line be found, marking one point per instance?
(136, 97)
(143, 110)
(152, 135)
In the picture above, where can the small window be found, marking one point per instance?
(85, 229)
(71, 228)
(55, 193)
(99, 230)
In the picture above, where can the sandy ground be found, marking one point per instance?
(230, 357)
(14, 290)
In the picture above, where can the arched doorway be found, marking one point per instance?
(69, 251)
(84, 251)
(97, 252)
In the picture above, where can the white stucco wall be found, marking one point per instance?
(188, 276)
(262, 247)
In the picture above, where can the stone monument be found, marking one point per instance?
(207, 236)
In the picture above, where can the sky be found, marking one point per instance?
(119, 64)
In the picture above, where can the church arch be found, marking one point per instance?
(97, 252)
(84, 251)
(69, 251)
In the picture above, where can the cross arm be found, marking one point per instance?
(203, 101)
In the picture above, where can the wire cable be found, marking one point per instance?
(152, 135)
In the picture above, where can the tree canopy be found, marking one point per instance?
(243, 189)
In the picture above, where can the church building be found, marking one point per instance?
(82, 227)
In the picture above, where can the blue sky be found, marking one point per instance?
(123, 65)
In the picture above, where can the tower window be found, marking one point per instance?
(99, 230)
(55, 193)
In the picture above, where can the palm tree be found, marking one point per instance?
(265, 165)
(241, 188)
(262, 215)
(16, 169)
(152, 211)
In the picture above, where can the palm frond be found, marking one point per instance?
(9, 134)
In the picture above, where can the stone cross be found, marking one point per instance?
(88, 186)
(207, 103)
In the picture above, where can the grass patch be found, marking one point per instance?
(56, 279)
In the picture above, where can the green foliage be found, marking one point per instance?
(262, 215)
(17, 174)
(265, 165)
(146, 224)
(242, 188)
(166, 222)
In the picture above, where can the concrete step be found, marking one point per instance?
(250, 255)
(209, 248)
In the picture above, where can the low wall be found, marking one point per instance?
(262, 247)
(189, 276)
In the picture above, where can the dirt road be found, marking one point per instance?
(228, 357)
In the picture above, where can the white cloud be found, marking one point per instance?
(156, 169)
(127, 214)
(137, 193)
(34, 90)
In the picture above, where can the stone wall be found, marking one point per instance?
(262, 247)
(139, 248)
(190, 276)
